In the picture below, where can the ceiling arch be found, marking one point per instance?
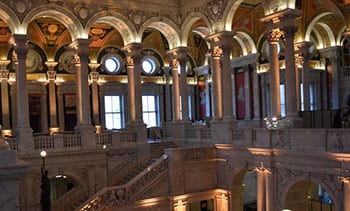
(9, 17)
(119, 22)
(166, 27)
(62, 15)
(188, 24)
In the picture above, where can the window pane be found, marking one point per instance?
(113, 112)
(149, 110)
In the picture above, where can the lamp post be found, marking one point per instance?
(43, 156)
(45, 200)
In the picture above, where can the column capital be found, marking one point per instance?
(81, 46)
(3, 64)
(20, 43)
(93, 66)
(51, 64)
(303, 47)
(282, 18)
(4, 74)
(274, 35)
(179, 53)
(94, 76)
(222, 39)
(133, 49)
(51, 75)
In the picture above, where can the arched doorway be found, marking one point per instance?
(306, 195)
(244, 196)
(60, 185)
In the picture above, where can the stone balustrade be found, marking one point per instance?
(60, 142)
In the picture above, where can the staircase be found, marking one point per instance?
(135, 171)
(157, 148)
(130, 192)
(128, 183)
(156, 151)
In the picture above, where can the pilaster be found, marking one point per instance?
(44, 116)
(51, 75)
(94, 92)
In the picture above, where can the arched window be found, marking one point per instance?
(148, 66)
(111, 64)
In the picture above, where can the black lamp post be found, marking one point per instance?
(45, 200)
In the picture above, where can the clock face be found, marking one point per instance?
(33, 61)
(67, 62)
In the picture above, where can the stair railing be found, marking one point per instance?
(127, 194)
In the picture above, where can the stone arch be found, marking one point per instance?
(119, 22)
(166, 27)
(288, 178)
(311, 27)
(187, 26)
(273, 6)
(340, 38)
(10, 18)
(64, 16)
(75, 177)
(229, 12)
(246, 42)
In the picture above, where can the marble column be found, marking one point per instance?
(43, 113)
(221, 201)
(269, 190)
(279, 24)
(216, 84)
(303, 51)
(346, 183)
(94, 92)
(167, 94)
(60, 106)
(24, 133)
(81, 46)
(256, 94)
(222, 44)
(5, 103)
(274, 36)
(134, 56)
(51, 75)
(292, 88)
(260, 191)
(182, 58)
(13, 97)
(176, 85)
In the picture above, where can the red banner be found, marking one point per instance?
(240, 95)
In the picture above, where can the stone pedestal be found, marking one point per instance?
(10, 172)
